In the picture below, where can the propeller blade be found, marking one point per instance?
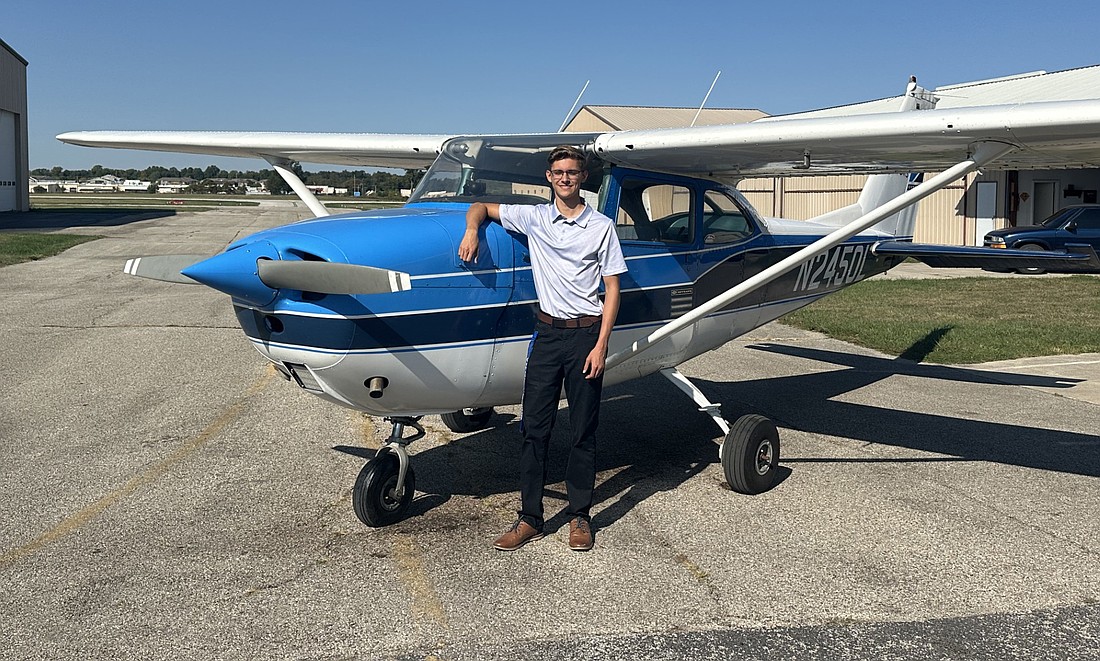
(330, 278)
(163, 267)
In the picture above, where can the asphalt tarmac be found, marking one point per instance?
(168, 496)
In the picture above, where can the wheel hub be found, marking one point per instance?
(764, 454)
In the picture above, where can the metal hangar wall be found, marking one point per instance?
(14, 160)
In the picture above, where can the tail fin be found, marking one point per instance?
(881, 188)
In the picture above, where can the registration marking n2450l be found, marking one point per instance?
(841, 265)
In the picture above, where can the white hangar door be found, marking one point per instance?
(8, 160)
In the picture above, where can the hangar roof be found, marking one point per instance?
(646, 117)
(11, 50)
(1068, 85)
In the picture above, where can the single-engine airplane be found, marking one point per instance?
(375, 311)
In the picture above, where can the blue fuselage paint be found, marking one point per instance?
(493, 299)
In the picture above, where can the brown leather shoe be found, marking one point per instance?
(519, 534)
(580, 534)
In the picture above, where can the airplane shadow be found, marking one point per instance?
(652, 439)
(53, 219)
(808, 402)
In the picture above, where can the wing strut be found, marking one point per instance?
(985, 153)
(282, 166)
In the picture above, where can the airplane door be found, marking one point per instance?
(656, 222)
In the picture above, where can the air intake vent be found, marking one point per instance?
(682, 300)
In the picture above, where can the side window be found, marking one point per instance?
(723, 220)
(650, 211)
(1088, 219)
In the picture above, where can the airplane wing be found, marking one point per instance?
(1045, 135)
(360, 149)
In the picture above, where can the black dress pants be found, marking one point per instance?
(557, 357)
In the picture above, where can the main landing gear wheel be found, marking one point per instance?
(374, 497)
(467, 420)
(750, 454)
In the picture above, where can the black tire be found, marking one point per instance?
(1035, 248)
(464, 423)
(372, 498)
(751, 455)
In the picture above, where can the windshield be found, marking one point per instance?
(1056, 219)
(501, 169)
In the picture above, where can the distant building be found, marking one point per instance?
(134, 186)
(174, 184)
(14, 161)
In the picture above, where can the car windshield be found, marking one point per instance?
(1056, 219)
(501, 169)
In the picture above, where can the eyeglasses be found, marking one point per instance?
(558, 174)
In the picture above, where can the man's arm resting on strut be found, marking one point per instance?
(594, 364)
(475, 216)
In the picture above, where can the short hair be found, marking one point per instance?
(563, 152)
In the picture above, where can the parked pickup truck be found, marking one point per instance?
(1076, 224)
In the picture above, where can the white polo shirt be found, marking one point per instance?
(569, 257)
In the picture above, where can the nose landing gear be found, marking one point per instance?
(384, 489)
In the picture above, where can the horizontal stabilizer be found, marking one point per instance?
(163, 267)
(330, 278)
(1076, 257)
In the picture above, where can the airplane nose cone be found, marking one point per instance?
(234, 272)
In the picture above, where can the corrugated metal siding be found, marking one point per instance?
(13, 99)
(805, 204)
(13, 83)
(939, 216)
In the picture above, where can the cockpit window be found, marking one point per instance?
(654, 211)
(501, 169)
(724, 221)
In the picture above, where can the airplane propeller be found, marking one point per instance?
(226, 273)
(163, 267)
(329, 278)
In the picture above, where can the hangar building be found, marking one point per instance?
(14, 161)
(960, 214)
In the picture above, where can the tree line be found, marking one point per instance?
(380, 184)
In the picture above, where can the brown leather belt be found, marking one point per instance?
(579, 322)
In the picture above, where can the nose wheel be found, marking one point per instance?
(385, 487)
(465, 421)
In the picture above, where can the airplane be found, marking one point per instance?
(375, 311)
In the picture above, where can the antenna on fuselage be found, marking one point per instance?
(700, 110)
(570, 113)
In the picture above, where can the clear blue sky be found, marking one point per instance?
(495, 66)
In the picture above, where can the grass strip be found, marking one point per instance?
(963, 320)
(16, 247)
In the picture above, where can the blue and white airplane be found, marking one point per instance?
(375, 311)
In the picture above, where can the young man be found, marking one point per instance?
(573, 247)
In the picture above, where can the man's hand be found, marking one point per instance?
(593, 364)
(477, 214)
(467, 250)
